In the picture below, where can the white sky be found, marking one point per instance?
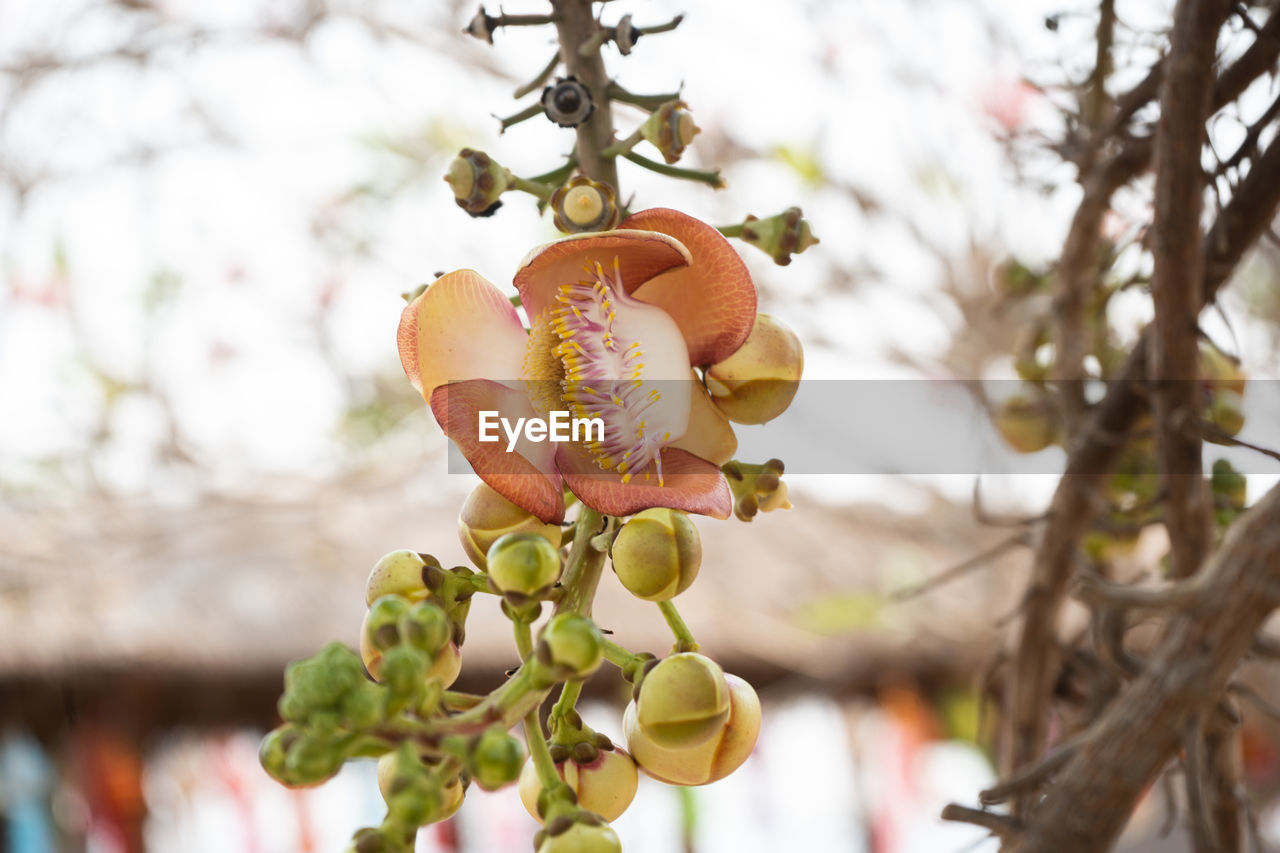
(891, 97)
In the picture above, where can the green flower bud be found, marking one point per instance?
(312, 760)
(780, 236)
(657, 554)
(1228, 484)
(319, 682)
(683, 701)
(413, 793)
(478, 181)
(582, 838)
(1025, 423)
(403, 669)
(571, 645)
(523, 563)
(495, 759)
(707, 762)
(584, 205)
(670, 129)
(274, 749)
(606, 785)
(426, 626)
(758, 382)
(381, 626)
(487, 516)
(1219, 370)
(362, 707)
(1225, 411)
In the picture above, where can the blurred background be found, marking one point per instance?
(208, 212)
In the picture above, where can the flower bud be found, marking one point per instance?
(571, 645)
(606, 785)
(413, 794)
(1219, 370)
(683, 701)
(1228, 484)
(310, 760)
(523, 563)
(1225, 411)
(758, 382)
(495, 759)
(567, 102)
(487, 516)
(478, 181)
(780, 236)
(319, 683)
(657, 554)
(584, 205)
(1025, 424)
(444, 666)
(670, 129)
(709, 761)
(426, 626)
(273, 752)
(397, 573)
(381, 627)
(579, 837)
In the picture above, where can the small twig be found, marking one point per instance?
(523, 115)
(977, 561)
(540, 79)
(1211, 431)
(1001, 826)
(646, 102)
(1031, 778)
(711, 178)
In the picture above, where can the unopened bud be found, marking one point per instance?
(571, 645)
(780, 236)
(397, 573)
(670, 129)
(495, 759)
(478, 182)
(683, 701)
(581, 837)
(487, 516)
(1025, 423)
(523, 563)
(657, 554)
(758, 382)
(606, 785)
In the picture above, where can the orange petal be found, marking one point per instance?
(641, 255)
(709, 435)
(689, 483)
(460, 327)
(526, 476)
(713, 300)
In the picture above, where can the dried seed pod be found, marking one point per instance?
(584, 205)
(567, 102)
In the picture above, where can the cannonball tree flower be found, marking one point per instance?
(617, 321)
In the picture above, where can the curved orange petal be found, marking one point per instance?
(460, 327)
(709, 435)
(526, 476)
(689, 483)
(641, 255)
(713, 300)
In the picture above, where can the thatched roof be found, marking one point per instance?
(229, 586)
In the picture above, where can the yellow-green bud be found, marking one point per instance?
(1025, 424)
(495, 759)
(426, 626)
(478, 181)
(444, 665)
(1220, 370)
(311, 760)
(657, 554)
(683, 701)
(1225, 411)
(780, 236)
(582, 838)
(524, 563)
(487, 516)
(403, 779)
(1229, 484)
(381, 628)
(605, 786)
(397, 573)
(584, 205)
(670, 129)
(758, 382)
(709, 761)
(571, 645)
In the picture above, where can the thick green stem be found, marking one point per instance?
(533, 188)
(583, 566)
(539, 752)
(568, 698)
(684, 637)
(711, 178)
(524, 638)
(618, 655)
